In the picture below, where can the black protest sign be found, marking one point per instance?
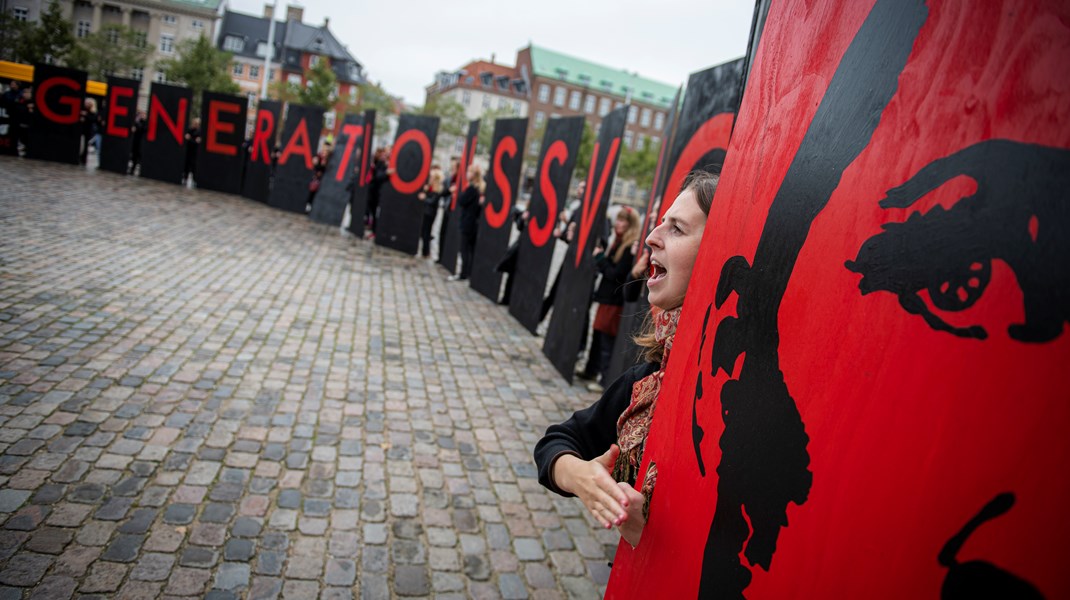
(343, 168)
(557, 159)
(164, 149)
(452, 244)
(400, 211)
(259, 156)
(358, 195)
(698, 139)
(220, 163)
(56, 123)
(293, 174)
(503, 188)
(120, 111)
(579, 270)
(625, 351)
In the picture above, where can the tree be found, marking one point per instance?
(320, 84)
(639, 165)
(374, 97)
(11, 32)
(583, 156)
(49, 40)
(115, 49)
(200, 67)
(486, 127)
(452, 120)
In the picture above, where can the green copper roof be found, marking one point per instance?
(206, 4)
(547, 63)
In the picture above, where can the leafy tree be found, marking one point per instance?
(11, 32)
(639, 165)
(583, 156)
(486, 128)
(320, 87)
(452, 120)
(374, 97)
(200, 67)
(114, 49)
(50, 38)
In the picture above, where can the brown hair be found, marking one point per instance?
(704, 185)
(630, 235)
(475, 177)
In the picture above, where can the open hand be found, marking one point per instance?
(591, 481)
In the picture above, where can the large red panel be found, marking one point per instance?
(879, 362)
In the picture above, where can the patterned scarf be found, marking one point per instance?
(634, 423)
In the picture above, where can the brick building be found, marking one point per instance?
(561, 85)
(298, 47)
(479, 86)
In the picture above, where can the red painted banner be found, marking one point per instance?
(867, 397)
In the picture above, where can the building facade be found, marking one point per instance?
(481, 87)
(298, 47)
(561, 85)
(163, 23)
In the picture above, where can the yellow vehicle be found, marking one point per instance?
(21, 72)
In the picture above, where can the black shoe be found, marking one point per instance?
(584, 375)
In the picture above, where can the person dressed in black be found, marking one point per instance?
(451, 189)
(614, 265)
(90, 119)
(430, 195)
(507, 265)
(193, 143)
(380, 173)
(137, 136)
(469, 203)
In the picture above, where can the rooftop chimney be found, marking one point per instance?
(326, 22)
(492, 58)
(295, 13)
(269, 11)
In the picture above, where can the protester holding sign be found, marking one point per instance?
(596, 453)
(470, 201)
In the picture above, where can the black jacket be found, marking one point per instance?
(614, 276)
(588, 433)
(468, 203)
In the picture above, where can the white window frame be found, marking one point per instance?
(168, 19)
(540, 118)
(233, 43)
(238, 70)
(137, 73)
(574, 100)
(196, 24)
(254, 71)
(313, 60)
(486, 101)
(559, 95)
(167, 44)
(603, 107)
(20, 14)
(544, 93)
(82, 29)
(466, 98)
(628, 139)
(644, 118)
(589, 103)
(659, 120)
(633, 113)
(160, 77)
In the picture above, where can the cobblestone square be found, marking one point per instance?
(201, 396)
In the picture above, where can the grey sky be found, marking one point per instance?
(402, 44)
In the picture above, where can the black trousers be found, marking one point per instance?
(468, 250)
(425, 234)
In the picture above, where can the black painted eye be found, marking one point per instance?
(962, 288)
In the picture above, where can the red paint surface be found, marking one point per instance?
(117, 109)
(911, 430)
(73, 104)
(298, 144)
(590, 206)
(413, 136)
(176, 125)
(265, 129)
(497, 218)
(352, 132)
(217, 126)
(711, 135)
(539, 233)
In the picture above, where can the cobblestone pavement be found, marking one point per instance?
(203, 396)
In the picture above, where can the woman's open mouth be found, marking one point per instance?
(657, 273)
